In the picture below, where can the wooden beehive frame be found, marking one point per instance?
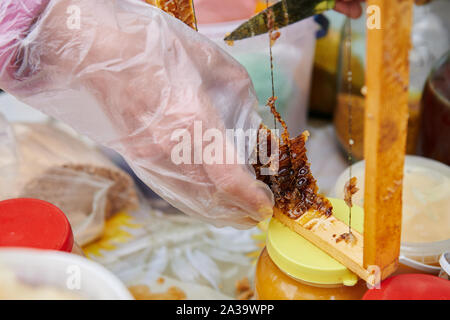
(375, 254)
(385, 132)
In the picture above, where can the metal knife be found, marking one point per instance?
(285, 12)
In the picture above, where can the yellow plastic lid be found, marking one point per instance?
(302, 260)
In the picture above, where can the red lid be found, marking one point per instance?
(34, 223)
(411, 287)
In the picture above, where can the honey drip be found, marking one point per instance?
(350, 189)
(348, 237)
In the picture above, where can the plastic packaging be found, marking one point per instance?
(33, 223)
(159, 249)
(8, 157)
(66, 272)
(49, 163)
(423, 244)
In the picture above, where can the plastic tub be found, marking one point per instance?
(419, 255)
(55, 269)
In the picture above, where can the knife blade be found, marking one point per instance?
(285, 12)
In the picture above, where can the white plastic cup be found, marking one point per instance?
(420, 256)
(64, 271)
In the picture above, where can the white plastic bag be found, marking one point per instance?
(44, 162)
(293, 57)
(8, 158)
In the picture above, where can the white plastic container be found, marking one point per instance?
(60, 270)
(293, 57)
(423, 256)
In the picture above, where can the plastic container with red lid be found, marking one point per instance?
(34, 223)
(411, 287)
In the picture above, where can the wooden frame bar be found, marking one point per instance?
(375, 254)
(385, 130)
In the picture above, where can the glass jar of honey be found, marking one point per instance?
(434, 135)
(33, 223)
(292, 268)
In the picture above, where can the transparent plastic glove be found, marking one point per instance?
(128, 75)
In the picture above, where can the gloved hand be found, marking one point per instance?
(129, 76)
(351, 8)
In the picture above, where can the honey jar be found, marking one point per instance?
(292, 268)
(34, 223)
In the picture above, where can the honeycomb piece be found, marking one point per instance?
(293, 186)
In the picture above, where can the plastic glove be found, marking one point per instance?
(128, 75)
